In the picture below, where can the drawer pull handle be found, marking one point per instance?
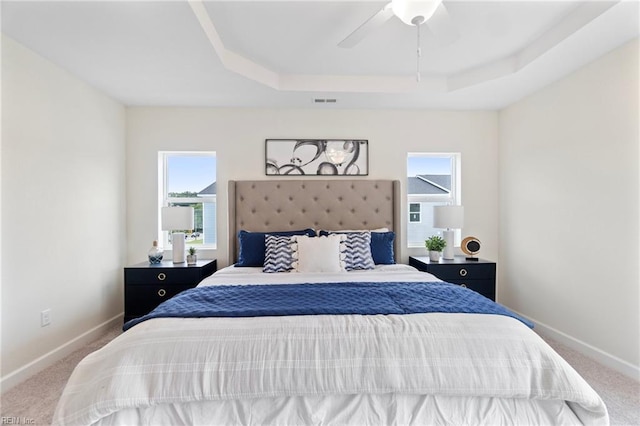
(463, 272)
(162, 292)
(162, 276)
(463, 285)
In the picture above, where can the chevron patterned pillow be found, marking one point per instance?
(358, 251)
(278, 254)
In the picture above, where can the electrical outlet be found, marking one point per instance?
(45, 317)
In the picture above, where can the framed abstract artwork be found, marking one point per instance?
(316, 157)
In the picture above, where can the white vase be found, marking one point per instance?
(434, 256)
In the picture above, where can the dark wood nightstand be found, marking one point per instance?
(479, 276)
(146, 285)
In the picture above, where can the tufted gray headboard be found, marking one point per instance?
(281, 205)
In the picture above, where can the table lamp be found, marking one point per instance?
(448, 218)
(177, 219)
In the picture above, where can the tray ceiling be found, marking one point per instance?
(286, 54)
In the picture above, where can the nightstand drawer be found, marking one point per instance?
(448, 272)
(159, 276)
(484, 287)
(479, 276)
(144, 298)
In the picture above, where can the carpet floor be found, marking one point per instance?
(34, 400)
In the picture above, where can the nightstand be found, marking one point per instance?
(479, 276)
(146, 285)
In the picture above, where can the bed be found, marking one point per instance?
(311, 343)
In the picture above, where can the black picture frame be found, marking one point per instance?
(316, 157)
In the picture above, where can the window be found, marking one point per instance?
(414, 212)
(189, 179)
(432, 180)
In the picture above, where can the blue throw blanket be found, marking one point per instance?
(365, 298)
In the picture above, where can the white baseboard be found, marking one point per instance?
(51, 357)
(598, 355)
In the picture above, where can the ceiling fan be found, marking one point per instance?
(411, 12)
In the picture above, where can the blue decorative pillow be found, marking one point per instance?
(278, 253)
(358, 251)
(382, 248)
(252, 245)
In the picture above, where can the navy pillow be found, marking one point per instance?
(381, 246)
(252, 245)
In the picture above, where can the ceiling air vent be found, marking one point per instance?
(324, 100)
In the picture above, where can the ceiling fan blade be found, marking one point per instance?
(443, 27)
(369, 25)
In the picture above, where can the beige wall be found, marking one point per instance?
(569, 208)
(63, 208)
(238, 136)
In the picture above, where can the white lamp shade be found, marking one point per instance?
(448, 217)
(177, 218)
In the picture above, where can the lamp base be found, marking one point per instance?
(447, 253)
(177, 241)
(472, 259)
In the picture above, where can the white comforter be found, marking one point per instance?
(329, 369)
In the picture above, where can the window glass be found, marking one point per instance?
(432, 180)
(189, 179)
(414, 212)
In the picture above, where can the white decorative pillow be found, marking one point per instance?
(279, 253)
(358, 251)
(355, 230)
(319, 254)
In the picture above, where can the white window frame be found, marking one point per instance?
(164, 200)
(453, 198)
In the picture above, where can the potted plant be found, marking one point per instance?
(435, 244)
(192, 257)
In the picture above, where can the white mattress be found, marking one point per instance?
(231, 275)
(328, 369)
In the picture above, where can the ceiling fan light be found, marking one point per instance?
(408, 10)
